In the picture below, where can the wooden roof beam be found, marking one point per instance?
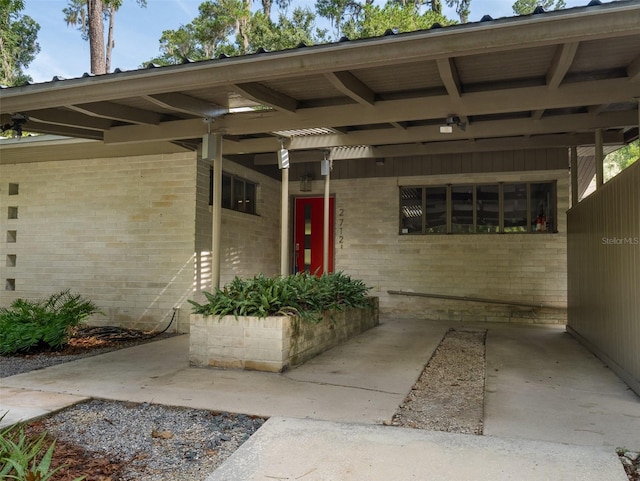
(54, 129)
(432, 148)
(450, 77)
(179, 102)
(401, 110)
(113, 111)
(266, 96)
(68, 118)
(561, 63)
(479, 130)
(352, 87)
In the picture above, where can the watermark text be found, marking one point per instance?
(618, 241)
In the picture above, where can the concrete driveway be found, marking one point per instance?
(542, 387)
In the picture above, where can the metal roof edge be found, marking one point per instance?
(454, 29)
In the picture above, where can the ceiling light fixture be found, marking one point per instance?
(450, 122)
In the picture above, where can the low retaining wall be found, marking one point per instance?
(271, 343)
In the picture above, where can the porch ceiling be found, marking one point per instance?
(540, 80)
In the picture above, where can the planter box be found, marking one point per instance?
(271, 343)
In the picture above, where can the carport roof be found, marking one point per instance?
(541, 80)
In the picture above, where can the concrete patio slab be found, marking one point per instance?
(542, 384)
(362, 381)
(19, 404)
(296, 449)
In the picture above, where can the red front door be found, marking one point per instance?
(308, 236)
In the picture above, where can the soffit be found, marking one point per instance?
(552, 76)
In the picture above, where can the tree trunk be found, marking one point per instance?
(96, 37)
(266, 8)
(110, 41)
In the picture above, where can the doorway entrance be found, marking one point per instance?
(308, 234)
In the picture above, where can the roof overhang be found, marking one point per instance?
(542, 80)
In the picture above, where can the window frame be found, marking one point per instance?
(530, 225)
(233, 205)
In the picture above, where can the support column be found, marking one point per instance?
(599, 159)
(325, 232)
(284, 224)
(574, 175)
(216, 214)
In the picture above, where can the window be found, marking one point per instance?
(478, 208)
(237, 193)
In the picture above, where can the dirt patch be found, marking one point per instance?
(449, 395)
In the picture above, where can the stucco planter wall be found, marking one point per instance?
(271, 343)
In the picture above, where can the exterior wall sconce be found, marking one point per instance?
(305, 183)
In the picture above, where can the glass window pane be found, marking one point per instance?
(410, 210)
(515, 207)
(543, 207)
(462, 209)
(250, 197)
(238, 195)
(226, 192)
(487, 208)
(436, 215)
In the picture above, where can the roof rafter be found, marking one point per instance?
(561, 63)
(352, 87)
(266, 96)
(54, 129)
(187, 104)
(419, 108)
(113, 111)
(69, 118)
(450, 77)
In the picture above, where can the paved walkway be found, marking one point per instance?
(542, 386)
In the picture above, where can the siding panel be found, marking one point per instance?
(604, 273)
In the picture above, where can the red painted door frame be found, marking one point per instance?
(308, 234)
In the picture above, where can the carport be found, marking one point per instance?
(517, 95)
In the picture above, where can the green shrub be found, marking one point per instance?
(302, 295)
(25, 458)
(28, 324)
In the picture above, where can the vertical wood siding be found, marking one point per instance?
(604, 273)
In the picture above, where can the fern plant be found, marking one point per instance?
(27, 324)
(302, 295)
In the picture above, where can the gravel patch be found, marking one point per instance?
(449, 394)
(149, 441)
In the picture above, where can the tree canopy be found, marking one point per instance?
(229, 27)
(617, 161)
(18, 42)
(525, 7)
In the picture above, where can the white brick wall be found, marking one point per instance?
(250, 243)
(523, 268)
(134, 235)
(119, 231)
